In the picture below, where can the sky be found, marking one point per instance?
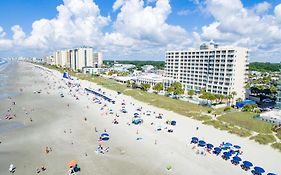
(139, 29)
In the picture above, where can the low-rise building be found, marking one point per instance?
(147, 68)
(122, 67)
(93, 70)
(153, 79)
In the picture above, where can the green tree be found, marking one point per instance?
(233, 94)
(177, 88)
(239, 99)
(191, 92)
(134, 85)
(128, 83)
(202, 91)
(158, 87)
(211, 97)
(273, 89)
(145, 86)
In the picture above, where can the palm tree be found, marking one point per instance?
(191, 93)
(233, 94)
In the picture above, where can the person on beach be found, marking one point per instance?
(12, 168)
(38, 170)
(47, 150)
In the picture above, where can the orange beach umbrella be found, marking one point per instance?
(72, 163)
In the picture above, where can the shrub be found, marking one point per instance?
(257, 110)
(209, 111)
(249, 107)
(228, 108)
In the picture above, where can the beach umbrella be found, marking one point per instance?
(217, 150)
(104, 136)
(227, 154)
(210, 146)
(247, 164)
(271, 174)
(236, 159)
(72, 163)
(237, 146)
(259, 170)
(202, 143)
(194, 139)
(227, 144)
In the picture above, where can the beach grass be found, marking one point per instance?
(278, 134)
(201, 117)
(180, 107)
(240, 132)
(264, 138)
(277, 146)
(218, 124)
(247, 121)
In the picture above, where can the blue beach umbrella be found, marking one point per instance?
(236, 159)
(194, 140)
(271, 174)
(217, 149)
(227, 144)
(227, 154)
(259, 170)
(202, 143)
(210, 146)
(104, 136)
(237, 146)
(247, 164)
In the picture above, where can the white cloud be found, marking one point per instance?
(18, 35)
(147, 23)
(262, 7)
(117, 4)
(235, 24)
(78, 23)
(2, 33)
(184, 12)
(277, 12)
(141, 29)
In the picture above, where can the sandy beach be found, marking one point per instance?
(71, 127)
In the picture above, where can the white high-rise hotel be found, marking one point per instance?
(76, 59)
(218, 69)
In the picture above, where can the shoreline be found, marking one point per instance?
(51, 117)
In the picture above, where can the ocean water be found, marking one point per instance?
(3, 64)
(4, 76)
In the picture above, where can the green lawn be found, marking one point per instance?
(246, 120)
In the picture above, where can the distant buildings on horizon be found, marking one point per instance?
(76, 59)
